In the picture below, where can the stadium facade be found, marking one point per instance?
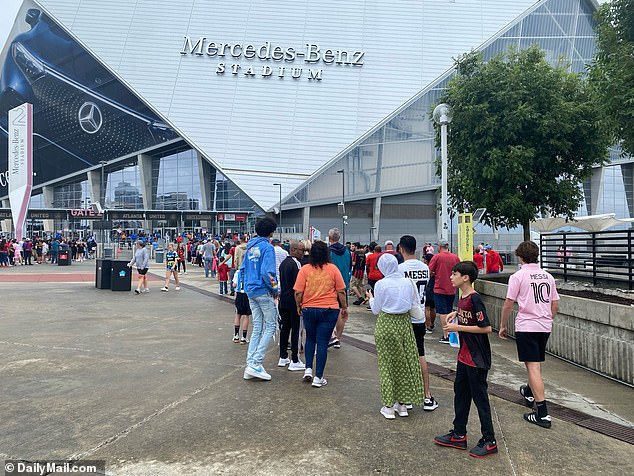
(200, 114)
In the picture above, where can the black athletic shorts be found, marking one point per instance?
(242, 304)
(143, 272)
(419, 335)
(531, 346)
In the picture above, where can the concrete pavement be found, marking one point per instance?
(153, 385)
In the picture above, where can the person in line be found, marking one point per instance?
(444, 292)
(536, 294)
(241, 249)
(17, 253)
(306, 258)
(27, 248)
(371, 261)
(289, 325)
(243, 310)
(141, 259)
(341, 257)
(494, 263)
(223, 269)
(54, 251)
(320, 298)
(4, 253)
(478, 258)
(280, 255)
(171, 257)
(180, 251)
(418, 272)
(474, 362)
(399, 366)
(389, 248)
(430, 306)
(209, 251)
(358, 273)
(260, 284)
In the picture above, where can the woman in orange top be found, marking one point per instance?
(320, 296)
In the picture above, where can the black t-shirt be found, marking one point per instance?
(475, 349)
(288, 274)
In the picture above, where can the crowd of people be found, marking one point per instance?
(37, 250)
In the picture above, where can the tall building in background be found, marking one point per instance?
(198, 114)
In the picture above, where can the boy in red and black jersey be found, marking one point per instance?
(474, 362)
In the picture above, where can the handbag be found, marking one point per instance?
(416, 311)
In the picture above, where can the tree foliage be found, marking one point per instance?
(524, 136)
(613, 70)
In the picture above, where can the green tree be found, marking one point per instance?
(613, 70)
(525, 134)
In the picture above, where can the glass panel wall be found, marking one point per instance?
(123, 188)
(71, 195)
(228, 197)
(176, 182)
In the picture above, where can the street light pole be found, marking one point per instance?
(343, 204)
(442, 115)
(102, 203)
(280, 224)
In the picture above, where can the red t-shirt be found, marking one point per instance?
(440, 265)
(372, 263)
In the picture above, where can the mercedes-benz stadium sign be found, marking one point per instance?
(311, 54)
(20, 164)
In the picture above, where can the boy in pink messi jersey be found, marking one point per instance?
(535, 292)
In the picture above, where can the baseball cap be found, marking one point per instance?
(487, 247)
(389, 242)
(275, 241)
(443, 243)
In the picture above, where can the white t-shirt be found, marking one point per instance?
(417, 271)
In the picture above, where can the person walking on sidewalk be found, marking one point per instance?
(341, 257)
(141, 259)
(260, 284)
(418, 272)
(289, 325)
(209, 251)
(243, 310)
(171, 257)
(444, 293)
(399, 367)
(474, 362)
(535, 292)
(320, 298)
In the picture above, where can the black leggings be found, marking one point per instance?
(289, 325)
(179, 265)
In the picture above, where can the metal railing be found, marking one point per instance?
(606, 256)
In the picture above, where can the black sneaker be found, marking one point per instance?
(525, 391)
(533, 417)
(136, 291)
(430, 404)
(484, 449)
(452, 440)
(358, 302)
(444, 340)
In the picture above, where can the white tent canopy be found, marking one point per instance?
(588, 223)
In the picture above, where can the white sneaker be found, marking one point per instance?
(308, 374)
(400, 410)
(299, 365)
(409, 406)
(164, 289)
(247, 376)
(388, 412)
(319, 382)
(257, 372)
(185, 272)
(177, 288)
(283, 362)
(146, 290)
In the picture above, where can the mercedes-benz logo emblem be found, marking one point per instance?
(90, 118)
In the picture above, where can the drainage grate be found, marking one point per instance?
(600, 425)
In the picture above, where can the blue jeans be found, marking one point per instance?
(208, 265)
(232, 272)
(264, 315)
(223, 287)
(319, 323)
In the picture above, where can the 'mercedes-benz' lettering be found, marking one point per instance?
(267, 52)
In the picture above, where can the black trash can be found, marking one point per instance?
(102, 274)
(158, 255)
(121, 276)
(64, 257)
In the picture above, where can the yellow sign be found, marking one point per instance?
(465, 237)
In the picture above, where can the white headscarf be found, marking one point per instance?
(388, 265)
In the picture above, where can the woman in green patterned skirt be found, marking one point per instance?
(399, 367)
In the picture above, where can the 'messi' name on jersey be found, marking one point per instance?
(417, 275)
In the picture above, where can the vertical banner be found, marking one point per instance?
(465, 237)
(20, 164)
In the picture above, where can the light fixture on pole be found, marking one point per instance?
(442, 115)
(280, 224)
(342, 205)
(372, 230)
